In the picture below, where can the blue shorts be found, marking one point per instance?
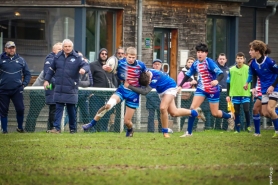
(240, 99)
(131, 98)
(212, 97)
(257, 98)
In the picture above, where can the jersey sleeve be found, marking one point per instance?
(192, 70)
(213, 67)
(228, 77)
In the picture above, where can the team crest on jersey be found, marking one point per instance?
(135, 100)
(16, 61)
(4, 61)
(276, 66)
(211, 95)
(47, 62)
(154, 81)
(136, 71)
(72, 60)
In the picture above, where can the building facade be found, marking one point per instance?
(164, 29)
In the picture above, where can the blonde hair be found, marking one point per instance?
(131, 51)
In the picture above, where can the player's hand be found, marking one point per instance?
(126, 84)
(106, 68)
(228, 98)
(254, 92)
(45, 85)
(179, 90)
(193, 82)
(245, 87)
(214, 82)
(82, 71)
(270, 90)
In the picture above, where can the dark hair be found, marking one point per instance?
(144, 79)
(201, 47)
(240, 54)
(222, 54)
(258, 45)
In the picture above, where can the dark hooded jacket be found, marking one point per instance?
(66, 71)
(101, 78)
(225, 69)
(12, 70)
(50, 92)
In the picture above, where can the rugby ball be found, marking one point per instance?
(113, 63)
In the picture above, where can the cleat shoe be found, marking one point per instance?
(54, 131)
(4, 132)
(249, 129)
(257, 135)
(166, 135)
(236, 132)
(231, 122)
(20, 130)
(275, 136)
(186, 134)
(87, 126)
(201, 114)
(170, 131)
(129, 133)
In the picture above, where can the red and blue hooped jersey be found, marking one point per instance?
(207, 71)
(130, 72)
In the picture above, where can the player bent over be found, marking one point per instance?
(129, 69)
(166, 88)
(209, 74)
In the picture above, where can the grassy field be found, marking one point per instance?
(209, 157)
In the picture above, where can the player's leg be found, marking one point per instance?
(4, 108)
(17, 99)
(114, 99)
(237, 117)
(246, 108)
(151, 120)
(214, 108)
(256, 115)
(166, 101)
(127, 120)
(271, 109)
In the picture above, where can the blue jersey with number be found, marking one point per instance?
(161, 81)
(130, 72)
(267, 72)
(207, 71)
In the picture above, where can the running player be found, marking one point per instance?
(129, 69)
(209, 74)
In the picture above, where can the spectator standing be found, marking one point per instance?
(14, 76)
(101, 79)
(222, 64)
(153, 103)
(186, 96)
(236, 79)
(37, 100)
(67, 65)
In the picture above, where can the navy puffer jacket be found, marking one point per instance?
(49, 99)
(66, 71)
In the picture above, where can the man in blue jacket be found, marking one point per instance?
(67, 65)
(12, 68)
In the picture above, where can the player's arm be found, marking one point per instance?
(140, 90)
(219, 73)
(228, 87)
(275, 69)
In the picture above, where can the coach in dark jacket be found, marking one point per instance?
(66, 66)
(13, 69)
(101, 79)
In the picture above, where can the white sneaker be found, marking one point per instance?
(257, 135)
(170, 131)
(186, 134)
(231, 122)
(201, 114)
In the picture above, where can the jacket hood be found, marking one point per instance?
(102, 49)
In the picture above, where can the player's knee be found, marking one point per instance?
(102, 111)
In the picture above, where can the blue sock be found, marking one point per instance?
(225, 115)
(191, 120)
(4, 123)
(257, 124)
(93, 122)
(275, 123)
(128, 132)
(194, 113)
(20, 121)
(237, 123)
(164, 130)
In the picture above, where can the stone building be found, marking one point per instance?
(164, 29)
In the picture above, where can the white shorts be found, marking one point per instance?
(272, 96)
(172, 91)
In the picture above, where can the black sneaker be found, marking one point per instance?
(72, 131)
(4, 132)
(20, 130)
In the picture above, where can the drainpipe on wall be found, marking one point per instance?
(139, 30)
(267, 21)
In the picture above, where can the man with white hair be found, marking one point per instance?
(67, 65)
